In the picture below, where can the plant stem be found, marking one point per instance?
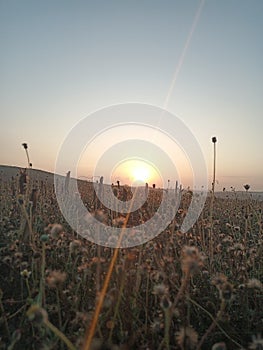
(28, 288)
(182, 289)
(59, 309)
(42, 280)
(4, 319)
(60, 335)
(211, 250)
(91, 330)
(212, 325)
(116, 311)
(167, 324)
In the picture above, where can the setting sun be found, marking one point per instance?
(135, 170)
(140, 173)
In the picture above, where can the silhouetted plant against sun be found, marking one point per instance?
(27, 155)
(247, 187)
(211, 250)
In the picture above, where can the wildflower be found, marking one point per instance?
(25, 273)
(7, 259)
(224, 287)
(187, 338)
(219, 248)
(56, 229)
(74, 245)
(56, 278)
(18, 255)
(37, 314)
(191, 259)
(100, 216)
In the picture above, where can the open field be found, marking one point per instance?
(178, 291)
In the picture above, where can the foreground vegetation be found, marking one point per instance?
(199, 290)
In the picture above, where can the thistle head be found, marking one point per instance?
(247, 187)
(214, 140)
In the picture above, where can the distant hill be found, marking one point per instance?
(7, 171)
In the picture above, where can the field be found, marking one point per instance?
(199, 290)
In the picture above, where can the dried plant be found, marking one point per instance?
(168, 293)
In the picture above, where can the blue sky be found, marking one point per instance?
(61, 60)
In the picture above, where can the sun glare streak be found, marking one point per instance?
(183, 53)
(179, 64)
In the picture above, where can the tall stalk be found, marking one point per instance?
(211, 250)
(101, 295)
(27, 155)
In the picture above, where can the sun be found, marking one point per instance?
(140, 172)
(136, 172)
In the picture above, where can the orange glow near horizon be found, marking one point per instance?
(136, 171)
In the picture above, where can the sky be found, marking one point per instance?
(200, 60)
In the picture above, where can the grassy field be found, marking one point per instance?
(199, 290)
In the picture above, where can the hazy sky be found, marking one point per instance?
(202, 60)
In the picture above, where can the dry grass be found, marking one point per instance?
(174, 292)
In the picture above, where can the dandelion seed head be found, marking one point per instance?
(37, 314)
(56, 278)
